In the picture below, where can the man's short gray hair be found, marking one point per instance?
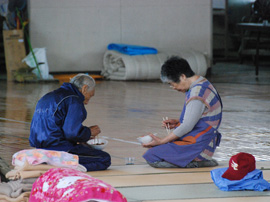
(83, 79)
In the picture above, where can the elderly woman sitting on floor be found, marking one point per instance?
(194, 139)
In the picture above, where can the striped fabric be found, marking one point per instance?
(208, 153)
(206, 92)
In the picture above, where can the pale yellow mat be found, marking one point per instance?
(144, 175)
(163, 179)
(146, 169)
(236, 199)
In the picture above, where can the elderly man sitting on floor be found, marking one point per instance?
(57, 123)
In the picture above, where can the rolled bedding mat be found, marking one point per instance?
(118, 66)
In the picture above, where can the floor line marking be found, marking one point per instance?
(120, 140)
(111, 138)
(5, 119)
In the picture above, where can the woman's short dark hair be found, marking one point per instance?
(173, 68)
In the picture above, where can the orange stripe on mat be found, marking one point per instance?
(67, 77)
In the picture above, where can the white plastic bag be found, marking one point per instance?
(40, 54)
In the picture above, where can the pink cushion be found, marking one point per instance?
(65, 184)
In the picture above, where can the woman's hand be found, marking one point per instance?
(159, 141)
(95, 130)
(155, 141)
(170, 123)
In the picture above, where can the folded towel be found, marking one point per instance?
(15, 174)
(29, 180)
(24, 197)
(132, 49)
(14, 189)
(32, 171)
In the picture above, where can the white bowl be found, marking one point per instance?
(99, 144)
(145, 139)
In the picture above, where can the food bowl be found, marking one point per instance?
(99, 144)
(145, 139)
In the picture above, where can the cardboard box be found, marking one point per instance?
(14, 51)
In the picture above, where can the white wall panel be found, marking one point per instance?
(77, 32)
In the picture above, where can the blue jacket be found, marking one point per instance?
(58, 118)
(252, 181)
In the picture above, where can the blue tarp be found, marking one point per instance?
(132, 49)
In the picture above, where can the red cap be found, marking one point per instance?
(239, 166)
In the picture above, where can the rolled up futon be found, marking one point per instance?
(118, 66)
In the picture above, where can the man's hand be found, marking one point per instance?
(95, 130)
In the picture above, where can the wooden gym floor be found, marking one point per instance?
(126, 110)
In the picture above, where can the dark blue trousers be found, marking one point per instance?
(92, 159)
